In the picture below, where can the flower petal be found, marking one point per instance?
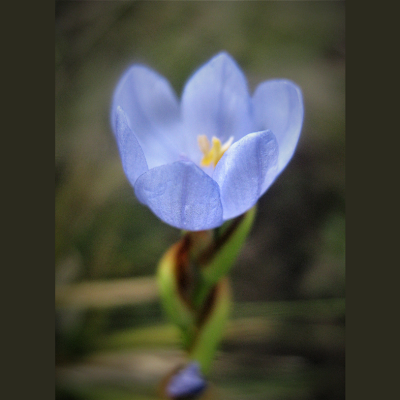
(187, 382)
(246, 171)
(278, 105)
(133, 159)
(216, 102)
(182, 195)
(152, 111)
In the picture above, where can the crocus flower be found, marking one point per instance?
(207, 158)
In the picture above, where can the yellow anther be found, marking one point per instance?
(212, 154)
(204, 144)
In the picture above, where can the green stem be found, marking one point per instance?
(224, 256)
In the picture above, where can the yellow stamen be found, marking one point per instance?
(213, 154)
(204, 144)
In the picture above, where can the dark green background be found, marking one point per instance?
(290, 275)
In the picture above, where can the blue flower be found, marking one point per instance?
(187, 382)
(209, 157)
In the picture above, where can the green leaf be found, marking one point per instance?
(224, 253)
(211, 329)
(176, 307)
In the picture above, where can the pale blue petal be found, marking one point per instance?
(187, 382)
(246, 171)
(133, 159)
(152, 110)
(216, 102)
(278, 106)
(182, 195)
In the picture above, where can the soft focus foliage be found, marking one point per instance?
(158, 140)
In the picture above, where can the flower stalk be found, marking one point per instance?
(194, 288)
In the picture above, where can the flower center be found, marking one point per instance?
(212, 154)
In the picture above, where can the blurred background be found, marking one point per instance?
(285, 339)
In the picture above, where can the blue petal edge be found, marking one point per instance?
(186, 382)
(132, 156)
(216, 100)
(147, 98)
(182, 195)
(278, 106)
(246, 171)
(152, 111)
